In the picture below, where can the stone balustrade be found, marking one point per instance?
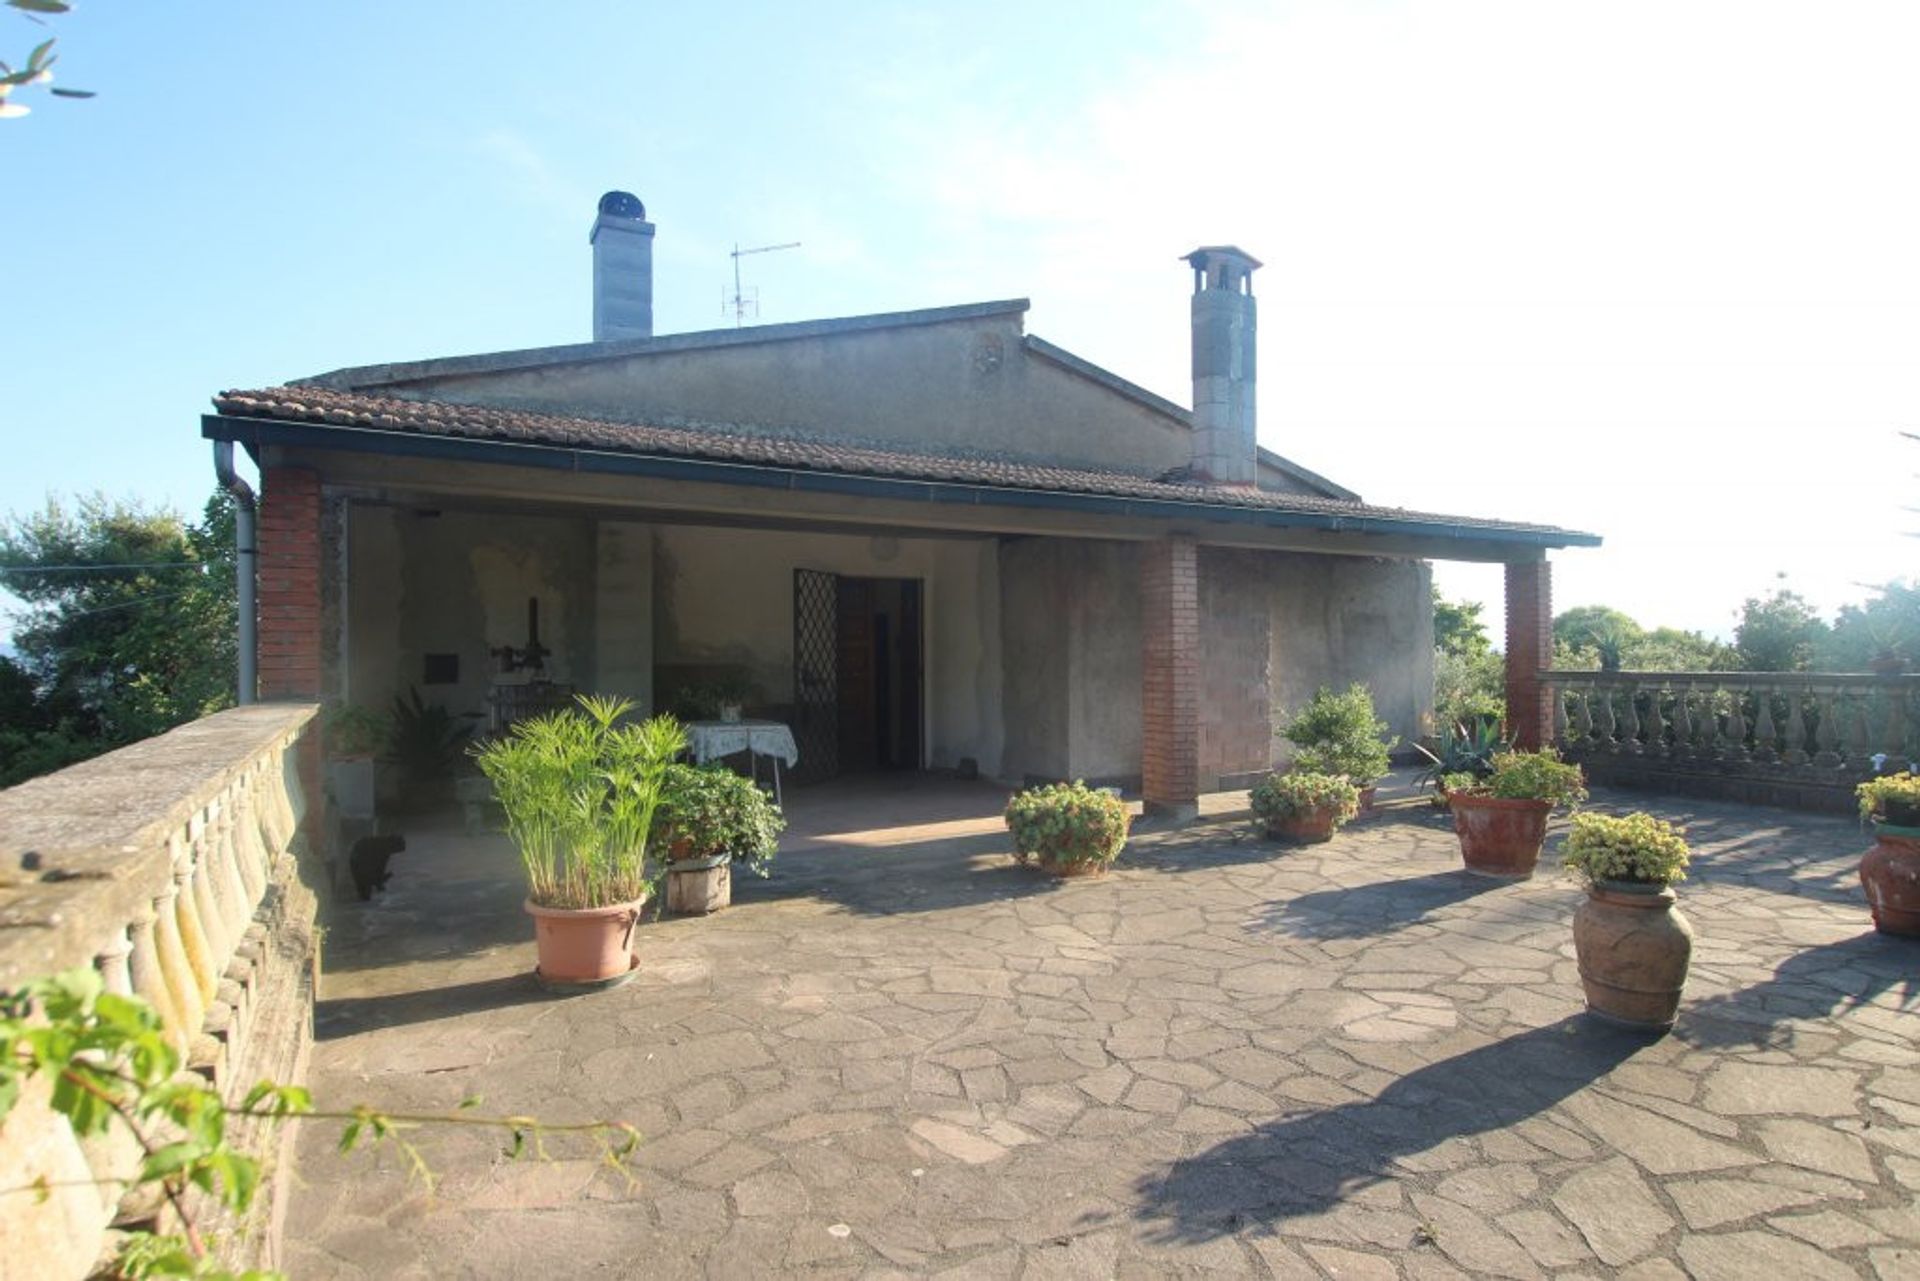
(173, 867)
(1802, 739)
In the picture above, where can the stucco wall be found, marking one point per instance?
(970, 383)
(725, 597)
(1339, 619)
(1071, 619)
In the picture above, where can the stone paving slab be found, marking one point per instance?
(908, 1057)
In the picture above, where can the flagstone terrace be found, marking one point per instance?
(903, 1055)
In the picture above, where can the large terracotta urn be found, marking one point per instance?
(1634, 948)
(1890, 874)
(584, 948)
(1500, 837)
(1303, 827)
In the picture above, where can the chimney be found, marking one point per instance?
(1223, 329)
(622, 241)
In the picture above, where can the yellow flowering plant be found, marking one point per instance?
(1638, 848)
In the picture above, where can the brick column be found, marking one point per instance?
(1529, 649)
(289, 540)
(1170, 677)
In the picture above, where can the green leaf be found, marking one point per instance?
(73, 93)
(169, 1160)
(38, 58)
(41, 6)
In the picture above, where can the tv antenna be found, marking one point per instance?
(741, 302)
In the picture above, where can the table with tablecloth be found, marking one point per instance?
(711, 740)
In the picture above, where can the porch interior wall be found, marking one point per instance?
(724, 597)
(458, 583)
(1236, 668)
(1339, 619)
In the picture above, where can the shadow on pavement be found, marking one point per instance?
(346, 1016)
(1365, 911)
(1816, 983)
(1307, 1164)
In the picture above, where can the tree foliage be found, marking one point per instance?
(129, 629)
(1889, 623)
(37, 67)
(1778, 632)
(1458, 628)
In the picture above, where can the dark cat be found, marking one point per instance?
(368, 861)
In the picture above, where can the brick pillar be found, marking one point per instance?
(1170, 677)
(289, 540)
(1529, 649)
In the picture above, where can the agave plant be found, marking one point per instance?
(580, 789)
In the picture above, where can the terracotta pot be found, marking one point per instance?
(1303, 827)
(587, 946)
(699, 886)
(1366, 801)
(1634, 949)
(1500, 837)
(1890, 874)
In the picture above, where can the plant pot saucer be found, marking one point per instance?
(565, 987)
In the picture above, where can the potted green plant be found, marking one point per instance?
(580, 789)
(709, 819)
(719, 698)
(1502, 819)
(1340, 734)
(425, 743)
(353, 737)
(1890, 871)
(1304, 806)
(1068, 829)
(1461, 750)
(1633, 945)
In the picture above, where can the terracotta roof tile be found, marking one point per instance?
(757, 447)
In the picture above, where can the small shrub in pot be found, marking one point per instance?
(1341, 734)
(1069, 829)
(1890, 871)
(1304, 805)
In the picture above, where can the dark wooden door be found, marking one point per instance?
(912, 675)
(816, 666)
(854, 674)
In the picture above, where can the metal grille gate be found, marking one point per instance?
(816, 699)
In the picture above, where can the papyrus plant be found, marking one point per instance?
(580, 788)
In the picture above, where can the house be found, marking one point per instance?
(927, 539)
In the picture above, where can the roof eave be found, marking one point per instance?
(255, 432)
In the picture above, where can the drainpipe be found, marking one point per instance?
(244, 574)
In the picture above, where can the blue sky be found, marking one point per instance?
(1647, 269)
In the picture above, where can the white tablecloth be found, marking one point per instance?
(709, 740)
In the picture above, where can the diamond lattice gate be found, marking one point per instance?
(816, 701)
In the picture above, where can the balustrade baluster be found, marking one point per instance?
(1559, 703)
(1826, 734)
(235, 910)
(1764, 732)
(1796, 731)
(1737, 727)
(115, 973)
(1861, 746)
(193, 938)
(1607, 724)
(147, 971)
(1893, 738)
(205, 889)
(1682, 724)
(1582, 718)
(1656, 722)
(1630, 722)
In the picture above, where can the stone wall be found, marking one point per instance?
(1236, 626)
(174, 867)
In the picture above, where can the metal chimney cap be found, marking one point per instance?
(1205, 253)
(623, 204)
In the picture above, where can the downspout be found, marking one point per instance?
(243, 567)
